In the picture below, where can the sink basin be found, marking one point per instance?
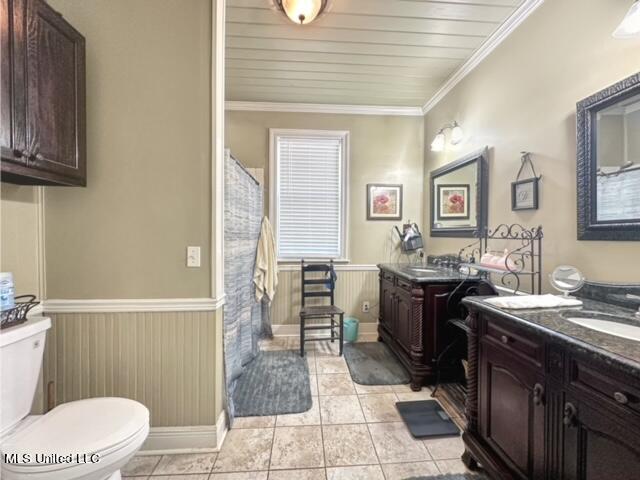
(602, 322)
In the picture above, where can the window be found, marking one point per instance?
(308, 181)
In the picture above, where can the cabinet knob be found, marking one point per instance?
(621, 398)
(570, 412)
(504, 339)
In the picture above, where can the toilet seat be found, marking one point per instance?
(111, 428)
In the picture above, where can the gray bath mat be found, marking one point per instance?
(426, 418)
(372, 363)
(274, 383)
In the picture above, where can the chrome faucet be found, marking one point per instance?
(631, 296)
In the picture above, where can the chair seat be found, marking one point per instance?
(320, 310)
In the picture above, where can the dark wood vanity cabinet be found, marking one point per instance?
(404, 323)
(511, 413)
(42, 139)
(597, 444)
(387, 315)
(538, 410)
(412, 323)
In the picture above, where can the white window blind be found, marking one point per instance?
(309, 194)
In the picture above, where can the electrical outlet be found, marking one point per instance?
(366, 307)
(193, 257)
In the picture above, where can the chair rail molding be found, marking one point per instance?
(295, 267)
(133, 305)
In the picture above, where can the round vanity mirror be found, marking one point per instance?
(567, 279)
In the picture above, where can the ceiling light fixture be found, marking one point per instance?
(302, 12)
(630, 25)
(457, 134)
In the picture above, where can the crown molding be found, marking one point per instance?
(134, 305)
(320, 108)
(500, 35)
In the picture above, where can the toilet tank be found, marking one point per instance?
(21, 349)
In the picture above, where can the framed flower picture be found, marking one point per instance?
(453, 202)
(384, 202)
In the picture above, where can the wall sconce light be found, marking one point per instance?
(630, 25)
(302, 12)
(457, 134)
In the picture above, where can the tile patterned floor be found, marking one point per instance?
(352, 432)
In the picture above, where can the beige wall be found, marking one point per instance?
(19, 212)
(522, 97)
(384, 149)
(149, 154)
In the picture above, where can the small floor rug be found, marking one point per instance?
(372, 363)
(275, 383)
(426, 418)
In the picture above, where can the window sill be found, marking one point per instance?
(336, 261)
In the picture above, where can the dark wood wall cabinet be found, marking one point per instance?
(412, 322)
(540, 410)
(42, 138)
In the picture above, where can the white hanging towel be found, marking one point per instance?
(265, 275)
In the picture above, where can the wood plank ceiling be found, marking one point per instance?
(361, 52)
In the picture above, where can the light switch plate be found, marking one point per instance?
(193, 257)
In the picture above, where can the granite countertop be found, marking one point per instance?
(424, 273)
(622, 352)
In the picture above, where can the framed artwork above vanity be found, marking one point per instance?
(384, 201)
(459, 196)
(608, 163)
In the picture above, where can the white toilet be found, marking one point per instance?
(88, 439)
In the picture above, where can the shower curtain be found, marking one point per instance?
(242, 313)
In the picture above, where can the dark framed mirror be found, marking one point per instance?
(459, 196)
(608, 129)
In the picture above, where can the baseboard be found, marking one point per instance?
(189, 439)
(222, 427)
(366, 331)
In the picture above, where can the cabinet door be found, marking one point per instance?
(12, 104)
(404, 319)
(511, 410)
(55, 95)
(437, 336)
(387, 305)
(597, 446)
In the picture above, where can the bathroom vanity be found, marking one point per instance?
(413, 314)
(548, 397)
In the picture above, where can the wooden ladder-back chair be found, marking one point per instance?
(314, 286)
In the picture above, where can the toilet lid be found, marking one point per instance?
(81, 427)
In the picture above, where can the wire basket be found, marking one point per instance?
(18, 314)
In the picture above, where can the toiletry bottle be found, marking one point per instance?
(7, 291)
